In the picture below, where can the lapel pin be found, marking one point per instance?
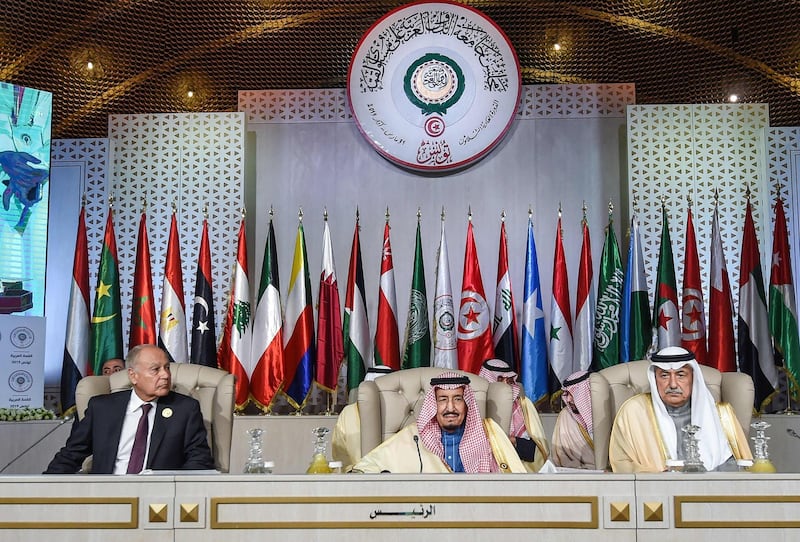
(167, 412)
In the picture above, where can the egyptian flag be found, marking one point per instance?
(474, 318)
(204, 329)
(172, 324)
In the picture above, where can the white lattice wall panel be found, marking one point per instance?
(783, 171)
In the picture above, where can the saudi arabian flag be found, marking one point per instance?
(609, 301)
(417, 351)
(106, 318)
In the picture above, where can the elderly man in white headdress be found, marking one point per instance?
(573, 437)
(526, 432)
(448, 436)
(648, 428)
(346, 436)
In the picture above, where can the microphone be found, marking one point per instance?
(29, 448)
(419, 454)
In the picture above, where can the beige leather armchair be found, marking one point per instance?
(393, 401)
(212, 388)
(614, 385)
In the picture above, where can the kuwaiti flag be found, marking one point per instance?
(267, 349)
(204, 328)
(143, 309)
(665, 307)
(106, 317)
(504, 335)
(234, 348)
(693, 316)
(299, 346)
(533, 361)
(560, 349)
(474, 319)
(75, 364)
(172, 335)
(584, 306)
(330, 350)
(636, 332)
(445, 353)
(355, 326)
(387, 338)
(609, 302)
(721, 342)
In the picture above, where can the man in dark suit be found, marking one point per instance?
(116, 424)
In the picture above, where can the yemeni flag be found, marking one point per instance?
(417, 350)
(299, 346)
(782, 308)
(106, 319)
(267, 349)
(584, 306)
(721, 343)
(330, 347)
(693, 328)
(609, 303)
(143, 309)
(504, 333)
(755, 343)
(204, 328)
(234, 348)
(172, 324)
(533, 361)
(75, 364)
(560, 350)
(636, 332)
(355, 325)
(387, 339)
(665, 307)
(445, 353)
(474, 319)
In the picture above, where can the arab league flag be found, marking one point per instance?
(533, 361)
(355, 325)
(474, 318)
(721, 343)
(584, 306)
(693, 316)
(445, 353)
(330, 350)
(204, 328)
(609, 302)
(665, 307)
(504, 333)
(143, 309)
(106, 319)
(387, 339)
(560, 349)
(417, 351)
(636, 335)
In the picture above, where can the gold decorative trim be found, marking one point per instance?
(132, 523)
(592, 523)
(158, 512)
(680, 523)
(190, 512)
(653, 511)
(620, 511)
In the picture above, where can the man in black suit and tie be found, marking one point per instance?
(125, 434)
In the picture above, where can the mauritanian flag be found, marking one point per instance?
(635, 330)
(665, 307)
(504, 331)
(533, 361)
(204, 328)
(584, 306)
(387, 338)
(172, 335)
(106, 319)
(355, 325)
(474, 319)
(267, 349)
(417, 350)
(75, 364)
(234, 349)
(445, 353)
(782, 307)
(693, 316)
(609, 302)
(330, 348)
(143, 309)
(560, 349)
(721, 342)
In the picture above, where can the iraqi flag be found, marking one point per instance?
(721, 343)
(204, 328)
(504, 334)
(143, 309)
(693, 316)
(172, 335)
(560, 349)
(387, 338)
(474, 318)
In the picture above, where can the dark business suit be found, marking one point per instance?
(178, 440)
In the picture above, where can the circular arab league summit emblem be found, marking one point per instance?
(434, 86)
(22, 337)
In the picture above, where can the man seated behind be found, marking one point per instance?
(648, 428)
(111, 366)
(125, 435)
(526, 432)
(448, 436)
(573, 443)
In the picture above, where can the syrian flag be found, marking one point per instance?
(636, 332)
(75, 364)
(417, 350)
(533, 361)
(721, 342)
(474, 319)
(267, 349)
(445, 353)
(560, 315)
(143, 309)
(504, 333)
(609, 302)
(234, 349)
(693, 328)
(172, 325)
(584, 306)
(387, 339)
(204, 328)
(665, 307)
(106, 318)
(330, 350)
(355, 325)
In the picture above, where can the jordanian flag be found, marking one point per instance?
(106, 319)
(417, 351)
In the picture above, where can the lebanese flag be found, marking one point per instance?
(143, 309)
(693, 321)
(505, 335)
(172, 324)
(560, 315)
(330, 348)
(387, 337)
(474, 318)
(584, 306)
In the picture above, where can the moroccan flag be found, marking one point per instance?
(204, 328)
(355, 325)
(609, 302)
(172, 324)
(584, 306)
(755, 343)
(560, 315)
(445, 354)
(75, 364)
(387, 339)
(693, 316)
(636, 332)
(665, 306)
(143, 309)
(474, 319)
(267, 349)
(106, 319)
(721, 343)
(417, 350)
(299, 347)
(330, 350)
(234, 348)
(782, 307)
(533, 361)
(504, 331)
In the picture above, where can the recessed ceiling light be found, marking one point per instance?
(556, 46)
(733, 98)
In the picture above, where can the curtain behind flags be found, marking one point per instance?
(387, 339)
(417, 350)
(143, 309)
(172, 324)
(355, 325)
(330, 350)
(533, 361)
(106, 318)
(204, 328)
(609, 302)
(693, 315)
(504, 335)
(445, 353)
(721, 343)
(665, 306)
(474, 319)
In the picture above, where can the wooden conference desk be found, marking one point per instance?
(333, 508)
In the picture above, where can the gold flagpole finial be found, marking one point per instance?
(244, 213)
(747, 192)
(84, 199)
(716, 196)
(663, 201)
(271, 213)
(325, 213)
(205, 211)
(300, 213)
(503, 215)
(357, 214)
(689, 201)
(530, 212)
(111, 201)
(559, 210)
(387, 214)
(442, 215)
(174, 208)
(419, 214)
(610, 208)
(584, 208)
(469, 213)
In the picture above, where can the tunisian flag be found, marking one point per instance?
(474, 318)
(693, 321)
(143, 309)
(387, 338)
